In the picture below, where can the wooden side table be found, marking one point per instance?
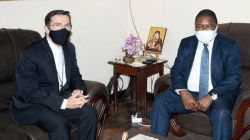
(139, 80)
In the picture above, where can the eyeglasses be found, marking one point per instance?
(60, 26)
(205, 27)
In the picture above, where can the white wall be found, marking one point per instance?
(178, 17)
(100, 27)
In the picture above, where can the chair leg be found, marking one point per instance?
(175, 128)
(240, 129)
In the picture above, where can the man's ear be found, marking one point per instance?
(46, 30)
(218, 28)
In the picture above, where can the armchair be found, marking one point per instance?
(12, 42)
(199, 122)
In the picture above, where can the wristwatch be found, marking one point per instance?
(213, 96)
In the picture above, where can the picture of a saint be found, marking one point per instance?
(155, 43)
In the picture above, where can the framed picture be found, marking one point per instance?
(155, 40)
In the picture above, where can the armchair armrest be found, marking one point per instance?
(244, 96)
(93, 88)
(98, 98)
(241, 115)
(162, 84)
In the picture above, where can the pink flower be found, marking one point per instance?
(132, 45)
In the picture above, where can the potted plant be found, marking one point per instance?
(131, 47)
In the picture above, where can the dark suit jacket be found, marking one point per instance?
(37, 84)
(225, 65)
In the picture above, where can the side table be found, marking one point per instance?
(139, 75)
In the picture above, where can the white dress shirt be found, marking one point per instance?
(60, 66)
(194, 77)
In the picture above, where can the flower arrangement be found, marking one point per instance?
(132, 45)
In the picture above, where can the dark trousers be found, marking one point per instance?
(169, 102)
(58, 127)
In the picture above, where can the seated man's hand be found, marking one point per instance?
(77, 91)
(188, 100)
(76, 100)
(203, 103)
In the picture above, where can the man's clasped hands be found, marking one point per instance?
(77, 99)
(190, 103)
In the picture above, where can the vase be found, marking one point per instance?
(128, 58)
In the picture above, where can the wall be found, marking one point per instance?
(178, 17)
(100, 27)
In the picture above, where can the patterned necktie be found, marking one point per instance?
(204, 72)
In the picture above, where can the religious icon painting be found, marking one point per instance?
(155, 40)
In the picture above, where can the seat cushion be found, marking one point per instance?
(30, 131)
(197, 122)
(7, 91)
(13, 134)
(12, 131)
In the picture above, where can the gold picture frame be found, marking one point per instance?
(155, 40)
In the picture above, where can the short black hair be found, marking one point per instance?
(56, 12)
(206, 12)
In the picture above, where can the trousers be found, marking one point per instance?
(57, 125)
(169, 102)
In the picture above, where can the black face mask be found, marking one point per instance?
(59, 37)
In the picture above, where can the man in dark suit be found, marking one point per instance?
(49, 89)
(205, 77)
